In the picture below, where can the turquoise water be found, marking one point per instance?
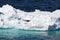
(19, 34)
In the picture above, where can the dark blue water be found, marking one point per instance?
(31, 5)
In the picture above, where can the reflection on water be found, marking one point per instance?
(18, 34)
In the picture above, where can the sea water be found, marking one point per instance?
(19, 34)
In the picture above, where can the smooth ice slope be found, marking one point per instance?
(38, 20)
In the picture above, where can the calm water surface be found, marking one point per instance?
(19, 34)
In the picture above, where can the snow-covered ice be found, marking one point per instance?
(38, 20)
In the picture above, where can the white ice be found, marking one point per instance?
(38, 20)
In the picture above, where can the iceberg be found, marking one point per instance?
(11, 17)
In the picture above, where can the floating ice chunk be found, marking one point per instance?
(38, 20)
